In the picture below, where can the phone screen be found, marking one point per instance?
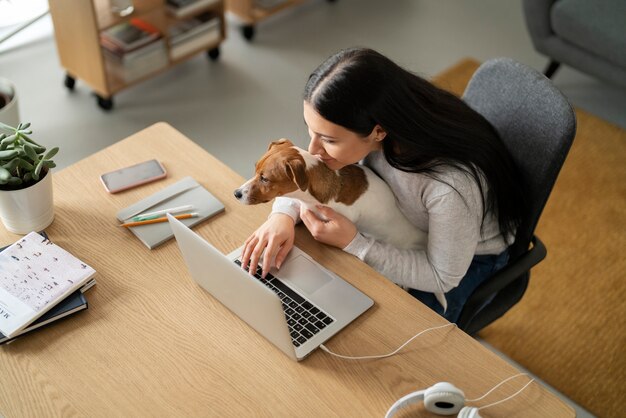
(132, 176)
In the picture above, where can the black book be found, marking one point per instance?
(75, 302)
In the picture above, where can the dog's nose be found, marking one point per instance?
(238, 194)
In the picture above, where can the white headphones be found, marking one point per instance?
(446, 399)
(443, 398)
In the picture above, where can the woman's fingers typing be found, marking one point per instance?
(272, 240)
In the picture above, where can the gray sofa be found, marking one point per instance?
(589, 35)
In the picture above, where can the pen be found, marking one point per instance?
(156, 214)
(159, 220)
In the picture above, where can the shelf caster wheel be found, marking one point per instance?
(69, 82)
(105, 103)
(248, 32)
(213, 53)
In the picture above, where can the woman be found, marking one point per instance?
(449, 170)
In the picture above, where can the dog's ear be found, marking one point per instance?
(296, 170)
(282, 141)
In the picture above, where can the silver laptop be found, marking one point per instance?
(297, 308)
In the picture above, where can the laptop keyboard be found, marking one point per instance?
(303, 317)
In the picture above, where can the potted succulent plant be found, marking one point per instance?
(26, 201)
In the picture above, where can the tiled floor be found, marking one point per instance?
(252, 94)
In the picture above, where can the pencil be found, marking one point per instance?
(158, 220)
(154, 215)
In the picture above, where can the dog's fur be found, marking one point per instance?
(354, 191)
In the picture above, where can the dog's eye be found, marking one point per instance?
(263, 179)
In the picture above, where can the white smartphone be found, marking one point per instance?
(135, 175)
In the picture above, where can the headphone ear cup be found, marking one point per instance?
(444, 399)
(469, 412)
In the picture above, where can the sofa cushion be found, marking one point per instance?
(596, 26)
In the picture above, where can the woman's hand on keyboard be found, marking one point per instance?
(274, 239)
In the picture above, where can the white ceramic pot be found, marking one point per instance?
(29, 209)
(9, 113)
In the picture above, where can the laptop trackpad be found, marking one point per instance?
(303, 274)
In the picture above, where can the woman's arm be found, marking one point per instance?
(453, 235)
(452, 239)
(287, 206)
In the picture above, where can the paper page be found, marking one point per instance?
(35, 274)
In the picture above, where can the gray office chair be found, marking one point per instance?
(537, 125)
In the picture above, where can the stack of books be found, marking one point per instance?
(193, 34)
(133, 49)
(187, 8)
(40, 283)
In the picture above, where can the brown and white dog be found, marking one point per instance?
(354, 191)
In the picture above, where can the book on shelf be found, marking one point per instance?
(138, 63)
(186, 8)
(35, 276)
(137, 54)
(193, 34)
(129, 35)
(188, 28)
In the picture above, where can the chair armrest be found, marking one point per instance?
(537, 16)
(507, 274)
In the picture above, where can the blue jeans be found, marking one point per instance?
(482, 267)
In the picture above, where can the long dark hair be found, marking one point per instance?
(427, 127)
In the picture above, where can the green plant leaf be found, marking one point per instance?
(38, 170)
(26, 125)
(27, 138)
(6, 154)
(49, 164)
(9, 139)
(25, 164)
(4, 175)
(51, 153)
(30, 152)
(12, 165)
(15, 181)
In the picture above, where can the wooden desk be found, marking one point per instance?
(153, 343)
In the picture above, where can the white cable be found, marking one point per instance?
(506, 399)
(385, 355)
(497, 386)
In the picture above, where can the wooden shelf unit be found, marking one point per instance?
(250, 12)
(77, 28)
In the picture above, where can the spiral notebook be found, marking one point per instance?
(185, 192)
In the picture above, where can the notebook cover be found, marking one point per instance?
(71, 304)
(35, 275)
(75, 302)
(185, 192)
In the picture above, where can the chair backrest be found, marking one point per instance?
(536, 123)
